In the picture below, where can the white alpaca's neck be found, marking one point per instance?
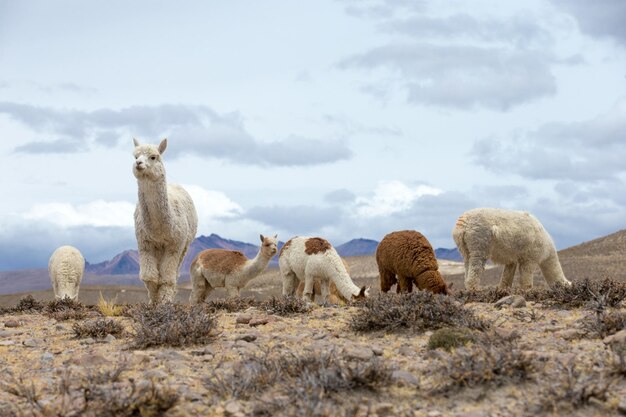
(342, 280)
(154, 203)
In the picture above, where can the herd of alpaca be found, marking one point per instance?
(166, 223)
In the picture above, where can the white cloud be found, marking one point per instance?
(392, 197)
(212, 206)
(97, 214)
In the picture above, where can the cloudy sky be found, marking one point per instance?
(339, 118)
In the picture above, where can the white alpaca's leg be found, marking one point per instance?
(526, 275)
(168, 268)
(506, 281)
(476, 268)
(149, 271)
(309, 283)
(232, 291)
(200, 288)
(324, 290)
(290, 283)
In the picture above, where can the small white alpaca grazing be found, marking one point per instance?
(510, 238)
(230, 269)
(165, 223)
(66, 268)
(313, 259)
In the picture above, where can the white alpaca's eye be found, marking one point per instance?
(153, 158)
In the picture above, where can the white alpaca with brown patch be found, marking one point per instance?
(510, 238)
(220, 268)
(165, 223)
(313, 259)
(66, 268)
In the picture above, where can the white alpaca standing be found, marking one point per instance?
(312, 259)
(510, 238)
(165, 223)
(230, 269)
(66, 268)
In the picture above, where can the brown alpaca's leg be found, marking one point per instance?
(387, 279)
(405, 285)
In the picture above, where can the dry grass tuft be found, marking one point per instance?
(230, 304)
(417, 312)
(310, 385)
(109, 308)
(604, 323)
(98, 328)
(66, 309)
(450, 337)
(285, 305)
(172, 325)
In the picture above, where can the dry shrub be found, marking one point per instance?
(418, 311)
(28, 304)
(285, 305)
(490, 360)
(586, 293)
(482, 295)
(573, 387)
(604, 323)
(172, 325)
(230, 304)
(96, 394)
(66, 309)
(98, 328)
(310, 385)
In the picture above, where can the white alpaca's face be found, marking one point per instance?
(269, 245)
(148, 163)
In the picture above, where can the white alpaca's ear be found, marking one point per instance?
(276, 236)
(262, 238)
(162, 146)
(136, 142)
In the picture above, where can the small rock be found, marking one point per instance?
(232, 407)
(406, 350)
(405, 378)
(621, 407)
(617, 338)
(8, 333)
(170, 355)
(32, 342)
(356, 352)
(155, 374)
(507, 334)
(434, 413)
(88, 341)
(109, 338)
(47, 356)
(203, 352)
(243, 319)
(7, 342)
(246, 337)
(383, 409)
(257, 321)
(569, 334)
(515, 301)
(378, 351)
(11, 323)
(319, 336)
(362, 411)
(89, 360)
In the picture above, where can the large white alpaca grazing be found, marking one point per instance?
(66, 268)
(510, 238)
(230, 269)
(313, 259)
(165, 223)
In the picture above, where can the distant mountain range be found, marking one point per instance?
(127, 262)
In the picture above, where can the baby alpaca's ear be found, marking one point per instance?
(262, 238)
(162, 146)
(136, 142)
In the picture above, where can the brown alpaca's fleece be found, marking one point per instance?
(408, 255)
(334, 297)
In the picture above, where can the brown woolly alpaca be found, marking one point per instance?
(335, 296)
(408, 255)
